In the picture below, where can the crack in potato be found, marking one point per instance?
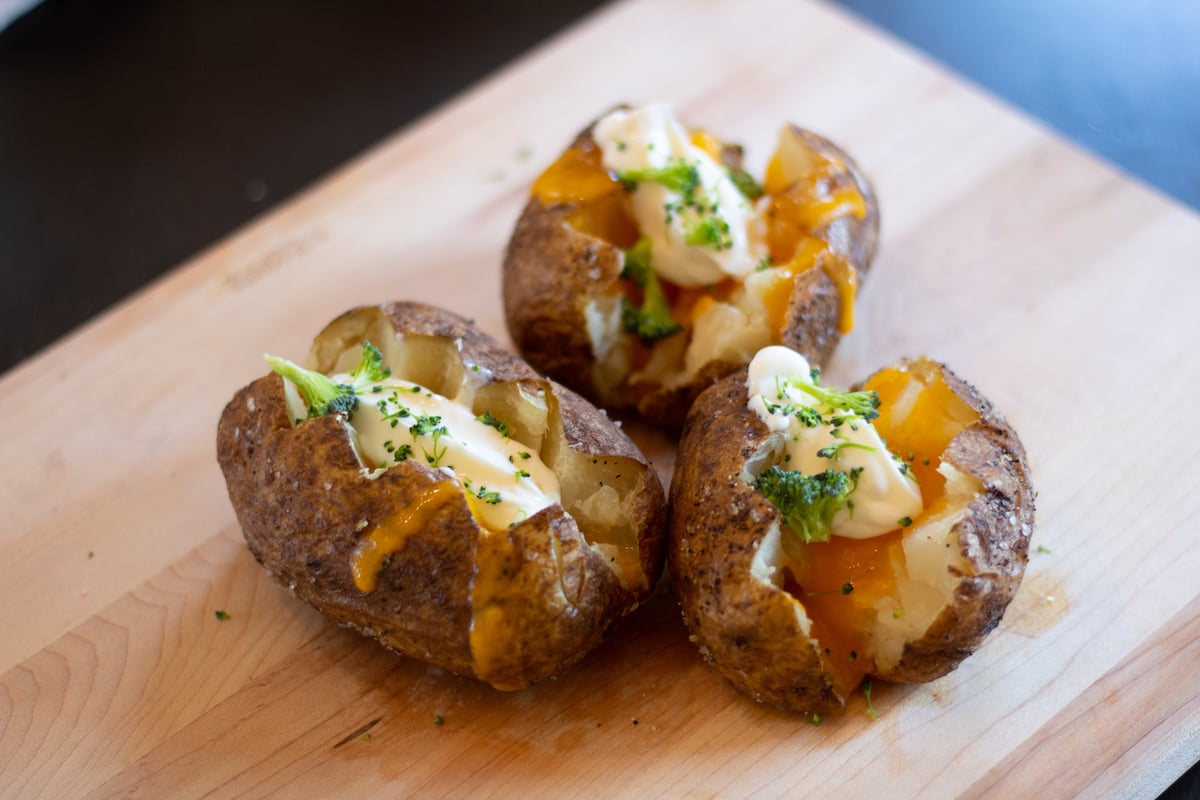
(900, 582)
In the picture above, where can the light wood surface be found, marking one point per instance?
(1062, 289)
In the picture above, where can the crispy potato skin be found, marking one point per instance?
(994, 536)
(552, 271)
(301, 497)
(748, 629)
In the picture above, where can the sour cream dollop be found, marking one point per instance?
(651, 137)
(885, 493)
(397, 420)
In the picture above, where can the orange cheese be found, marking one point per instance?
(390, 535)
(493, 633)
(932, 416)
(778, 293)
(708, 143)
(841, 581)
(578, 176)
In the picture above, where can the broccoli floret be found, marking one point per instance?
(862, 404)
(653, 321)
(682, 177)
(324, 396)
(709, 232)
(371, 367)
(807, 502)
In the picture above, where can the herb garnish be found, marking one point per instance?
(487, 418)
(866, 690)
(491, 498)
(430, 425)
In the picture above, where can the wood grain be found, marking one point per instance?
(1057, 285)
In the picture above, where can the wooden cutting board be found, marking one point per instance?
(1063, 289)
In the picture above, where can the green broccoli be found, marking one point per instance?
(682, 177)
(708, 232)
(807, 502)
(862, 404)
(321, 394)
(653, 321)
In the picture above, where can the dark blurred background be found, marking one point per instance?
(133, 133)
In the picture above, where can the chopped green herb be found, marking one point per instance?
(401, 453)
(437, 719)
(866, 690)
(221, 615)
(832, 451)
(521, 474)
(366, 737)
(430, 425)
(847, 587)
(487, 418)
(898, 613)
(491, 498)
(524, 454)
(763, 265)
(816, 719)
(904, 522)
(1043, 549)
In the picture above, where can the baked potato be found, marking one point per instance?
(441, 497)
(648, 263)
(800, 571)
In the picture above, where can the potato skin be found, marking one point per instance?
(745, 628)
(994, 536)
(301, 496)
(748, 629)
(552, 271)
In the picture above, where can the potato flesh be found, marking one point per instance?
(902, 580)
(598, 493)
(747, 316)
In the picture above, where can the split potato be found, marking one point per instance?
(648, 263)
(394, 505)
(799, 622)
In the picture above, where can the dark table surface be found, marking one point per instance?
(134, 133)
